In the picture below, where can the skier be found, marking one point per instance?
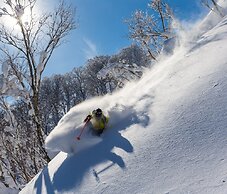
(98, 121)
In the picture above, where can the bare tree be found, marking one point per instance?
(26, 49)
(151, 30)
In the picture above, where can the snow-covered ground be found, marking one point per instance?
(167, 134)
(5, 190)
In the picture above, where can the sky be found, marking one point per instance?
(101, 30)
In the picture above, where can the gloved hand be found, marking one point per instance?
(88, 118)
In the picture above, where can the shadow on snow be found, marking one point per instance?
(73, 169)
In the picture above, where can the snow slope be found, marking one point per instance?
(168, 132)
(5, 190)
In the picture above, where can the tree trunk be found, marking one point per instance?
(39, 131)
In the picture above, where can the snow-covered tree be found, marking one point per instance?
(51, 101)
(125, 66)
(131, 54)
(94, 85)
(79, 86)
(25, 49)
(58, 94)
(25, 52)
(150, 30)
(213, 6)
(20, 156)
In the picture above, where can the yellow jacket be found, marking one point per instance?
(99, 123)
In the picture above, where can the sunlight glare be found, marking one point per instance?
(12, 23)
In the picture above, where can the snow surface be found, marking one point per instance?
(167, 134)
(4, 190)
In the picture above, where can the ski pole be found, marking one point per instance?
(82, 130)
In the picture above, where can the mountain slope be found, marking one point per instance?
(168, 131)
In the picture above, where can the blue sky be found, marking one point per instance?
(101, 30)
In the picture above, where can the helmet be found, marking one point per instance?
(97, 112)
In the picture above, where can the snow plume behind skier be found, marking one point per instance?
(64, 136)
